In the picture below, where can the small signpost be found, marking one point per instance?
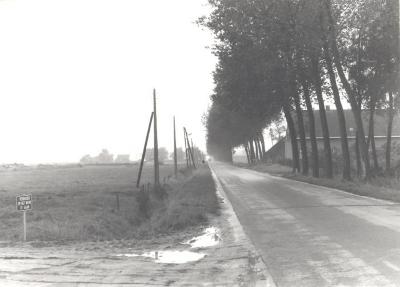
(24, 203)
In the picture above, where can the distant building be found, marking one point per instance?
(380, 130)
(103, 158)
(283, 148)
(122, 158)
(277, 152)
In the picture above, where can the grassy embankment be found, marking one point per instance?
(80, 203)
(378, 187)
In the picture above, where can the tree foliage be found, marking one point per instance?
(277, 55)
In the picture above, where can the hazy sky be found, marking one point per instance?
(77, 76)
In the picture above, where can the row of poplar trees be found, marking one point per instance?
(285, 56)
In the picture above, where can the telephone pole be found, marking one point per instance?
(144, 152)
(175, 155)
(156, 164)
(190, 149)
(193, 151)
(186, 149)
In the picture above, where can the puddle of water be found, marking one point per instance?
(210, 238)
(169, 256)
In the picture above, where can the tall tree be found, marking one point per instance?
(311, 124)
(324, 122)
(389, 132)
(352, 95)
(293, 137)
(261, 136)
(303, 143)
(340, 113)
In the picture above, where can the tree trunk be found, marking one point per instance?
(228, 154)
(313, 140)
(374, 154)
(358, 157)
(300, 124)
(252, 155)
(260, 153)
(350, 92)
(256, 148)
(247, 154)
(371, 135)
(370, 125)
(262, 144)
(322, 114)
(340, 114)
(293, 137)
(389, 132)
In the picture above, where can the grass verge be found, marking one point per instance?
(84, 206)
(379, 187)
(190, 203)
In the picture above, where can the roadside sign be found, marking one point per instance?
(24, 202)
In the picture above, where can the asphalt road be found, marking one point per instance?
(315, 236)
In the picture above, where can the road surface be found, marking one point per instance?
(309, 235)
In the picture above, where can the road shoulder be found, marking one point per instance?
(259, 274)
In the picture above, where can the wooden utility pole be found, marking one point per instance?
(190, 149)
(195, 157)
(186, 149)
(175, 155)
(144, 151)
(156, 163)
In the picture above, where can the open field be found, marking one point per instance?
(80, 203)
(387, 188)
(76, 179)
(192, 246)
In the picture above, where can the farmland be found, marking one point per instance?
(77, 202)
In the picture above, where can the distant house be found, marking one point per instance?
(277, 152)
(380, 130)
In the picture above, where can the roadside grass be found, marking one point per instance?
(190, 202)
(387, 188)
(276, 169)
(80, 203)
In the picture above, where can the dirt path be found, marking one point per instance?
(227, 258)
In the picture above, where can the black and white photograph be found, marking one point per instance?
(207, 143)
